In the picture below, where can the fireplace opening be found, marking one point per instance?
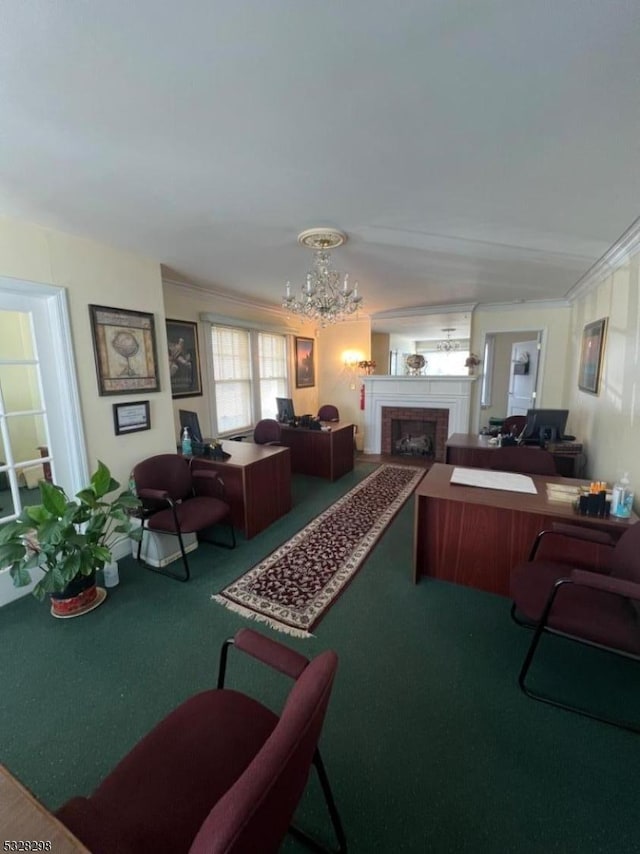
(416, 431)
(413, 438)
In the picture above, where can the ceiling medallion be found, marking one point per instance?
(326, 296)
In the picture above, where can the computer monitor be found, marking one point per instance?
(545, 425)
(285, 410)
(190, 420)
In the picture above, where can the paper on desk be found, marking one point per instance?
(487, 479)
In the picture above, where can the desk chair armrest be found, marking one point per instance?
(606, 583)
(208, 480)
(575, 532)
(264, 649)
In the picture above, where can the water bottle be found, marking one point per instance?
(186, 442)
(622, 498)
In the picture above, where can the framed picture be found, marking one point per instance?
(124, 344)
(184, 358)
(305, 363)
(131, 417)
(593, 336)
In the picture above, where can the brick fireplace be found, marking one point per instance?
(415, 431)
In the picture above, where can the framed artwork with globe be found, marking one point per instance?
(124, 344)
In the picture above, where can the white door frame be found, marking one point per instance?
(48, 307)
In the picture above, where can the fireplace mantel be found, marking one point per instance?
(451, 392)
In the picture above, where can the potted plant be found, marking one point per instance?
(68, 539)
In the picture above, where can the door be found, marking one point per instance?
(40, 423)
(523, 376)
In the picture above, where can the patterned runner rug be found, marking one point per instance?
(295, 585)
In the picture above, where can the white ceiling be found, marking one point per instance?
(473, 151)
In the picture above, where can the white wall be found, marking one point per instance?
(609, 423)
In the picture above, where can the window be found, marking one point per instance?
(249, 372)
(487, 375)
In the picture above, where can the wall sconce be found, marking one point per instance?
(351, 359)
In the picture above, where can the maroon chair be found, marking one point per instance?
(516, 458)
(513, 425)
(267, 432)
(221, 773)
(328, 412)
(599, 607)
(176, 500)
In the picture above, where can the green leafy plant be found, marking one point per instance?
(67, 538)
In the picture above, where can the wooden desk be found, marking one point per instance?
(473, 451)
(319, 453)
(24, 819)
(257, 481)
(474, 536)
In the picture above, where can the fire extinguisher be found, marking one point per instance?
(362, 396)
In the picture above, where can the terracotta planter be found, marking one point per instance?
(79, 596)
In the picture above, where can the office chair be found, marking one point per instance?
(176, 500)
(513, 425)
(517, 458)
(267, 432)
(597, 607)
(222, 773)
(328, 412)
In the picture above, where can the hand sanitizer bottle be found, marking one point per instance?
(186, 441)
(622, 498)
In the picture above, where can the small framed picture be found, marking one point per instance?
(131, 417)
(591, 354)
(305, 363)
(184, 358)
(124, 344)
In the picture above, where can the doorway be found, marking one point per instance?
(506, 390)
(41, 432)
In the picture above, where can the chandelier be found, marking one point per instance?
(326, 296)
(448, 346)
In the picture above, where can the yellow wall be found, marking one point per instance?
(94, 273)
(554, 323)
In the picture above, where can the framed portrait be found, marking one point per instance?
(591, 354)
(124, 344)
(184, 358)
(305, 363)
(131, 417)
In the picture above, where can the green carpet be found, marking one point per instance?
(429, 744)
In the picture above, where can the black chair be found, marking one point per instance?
(597, 607)
(513, 425)
(176, 500)
(222, 773)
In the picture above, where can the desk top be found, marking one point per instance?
(334, 427)
(244, 453)
(436, 484)
(23, 817)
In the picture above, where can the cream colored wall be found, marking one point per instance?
(609, 423)
(554, 322)
(184, 302)
(337, 384)
(95, 273)
(380, 350)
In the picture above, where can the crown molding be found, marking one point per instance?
(394, 313)
(236, 299)
(618, 254)
(519, 305)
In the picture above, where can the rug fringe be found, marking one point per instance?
(261, 618)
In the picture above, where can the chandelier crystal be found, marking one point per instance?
(448, 345)
(326, 296)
